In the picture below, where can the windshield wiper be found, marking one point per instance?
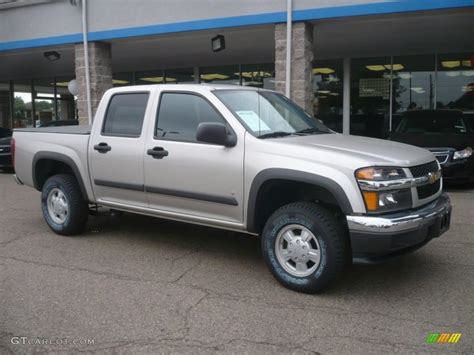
(310, 130)
(276, 134)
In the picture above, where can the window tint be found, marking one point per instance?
(180, 114)
(125, 115)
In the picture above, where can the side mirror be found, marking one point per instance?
(215, 133)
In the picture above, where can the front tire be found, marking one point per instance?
(305, 246)
(64, 208)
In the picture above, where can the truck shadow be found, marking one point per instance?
(240, 255)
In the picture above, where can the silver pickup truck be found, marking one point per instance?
(241, 159)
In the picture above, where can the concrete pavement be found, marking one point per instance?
(137, 284)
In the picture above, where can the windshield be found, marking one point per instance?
(432, 123)
(268, 114)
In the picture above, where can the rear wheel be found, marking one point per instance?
(64, 208)
(305, 246)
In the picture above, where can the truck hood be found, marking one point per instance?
(358, 151)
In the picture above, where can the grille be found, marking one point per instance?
(426, 191)
(442, 158)
(422, 170)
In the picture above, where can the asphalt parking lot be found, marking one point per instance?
(138, 284)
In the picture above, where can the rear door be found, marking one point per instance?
(117, 148)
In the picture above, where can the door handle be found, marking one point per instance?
(102, 147)
(157, 152)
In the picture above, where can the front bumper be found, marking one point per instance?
(459, 171)
(377, 238)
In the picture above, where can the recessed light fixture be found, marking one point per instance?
(324, 92)
(119, 82)
(52, 55)
(218, 43)
(451, 63)
(323, 71)
(375, 67)
(214, 77)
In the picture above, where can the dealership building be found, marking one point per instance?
(357, 65)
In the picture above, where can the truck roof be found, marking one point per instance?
(184, 87)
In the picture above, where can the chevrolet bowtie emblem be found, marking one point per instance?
(432, 177)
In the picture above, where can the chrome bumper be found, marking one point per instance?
(402, 221)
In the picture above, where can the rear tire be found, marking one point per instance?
(64, 208)
(305, 246)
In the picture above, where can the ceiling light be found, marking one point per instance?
(169, 79)
(61, 83)
(453, 74)
(467, 63)
(394, 66)
(375, 67)
(323, 92)
(451, 63)
(153, 79)
(334, 94)
(405, 76)
(214, 76)
(323, 71)
(255, 74)
(119, 82)
(218, 43)
(52, 56)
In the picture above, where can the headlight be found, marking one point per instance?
(380, 174)
(463, 154)
(373, 178)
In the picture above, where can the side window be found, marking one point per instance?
(179, 115)
(125, 115)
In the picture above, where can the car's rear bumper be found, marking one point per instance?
(378, 238)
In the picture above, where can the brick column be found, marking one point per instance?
(100, 69)
(301, 89)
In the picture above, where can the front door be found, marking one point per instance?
(116, 151)
(187, 177)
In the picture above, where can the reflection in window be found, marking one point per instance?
(179, 76)
(150, 77)
(5, 114)
(123, 79)
(66, 102)
(259, 75)
(327, 87)
(455, 81)
(221, 75)
(22, 105)
(370, 96)
(45, 110)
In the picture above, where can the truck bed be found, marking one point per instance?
(83, 130)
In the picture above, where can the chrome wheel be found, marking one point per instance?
(297, 250)
(58, 206)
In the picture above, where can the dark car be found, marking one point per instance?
(5, 153)
(449, 134)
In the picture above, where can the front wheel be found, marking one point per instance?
(304, 246)
(64, 209)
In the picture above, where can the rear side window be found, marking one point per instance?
(179, 115)
(125, 115)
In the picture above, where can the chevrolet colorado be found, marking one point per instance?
(242, 159)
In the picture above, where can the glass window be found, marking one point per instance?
(327, 87)
(220, 75)
(150, 77)
(5, 108)
(370, 97)
(179, 115)
(268, 114)
(455, 81)
(66, 101)
(45, 109)
(439, 121)
(179, 76)
(125, 115)
(22, 105)
(123, 79)
(259, 75)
